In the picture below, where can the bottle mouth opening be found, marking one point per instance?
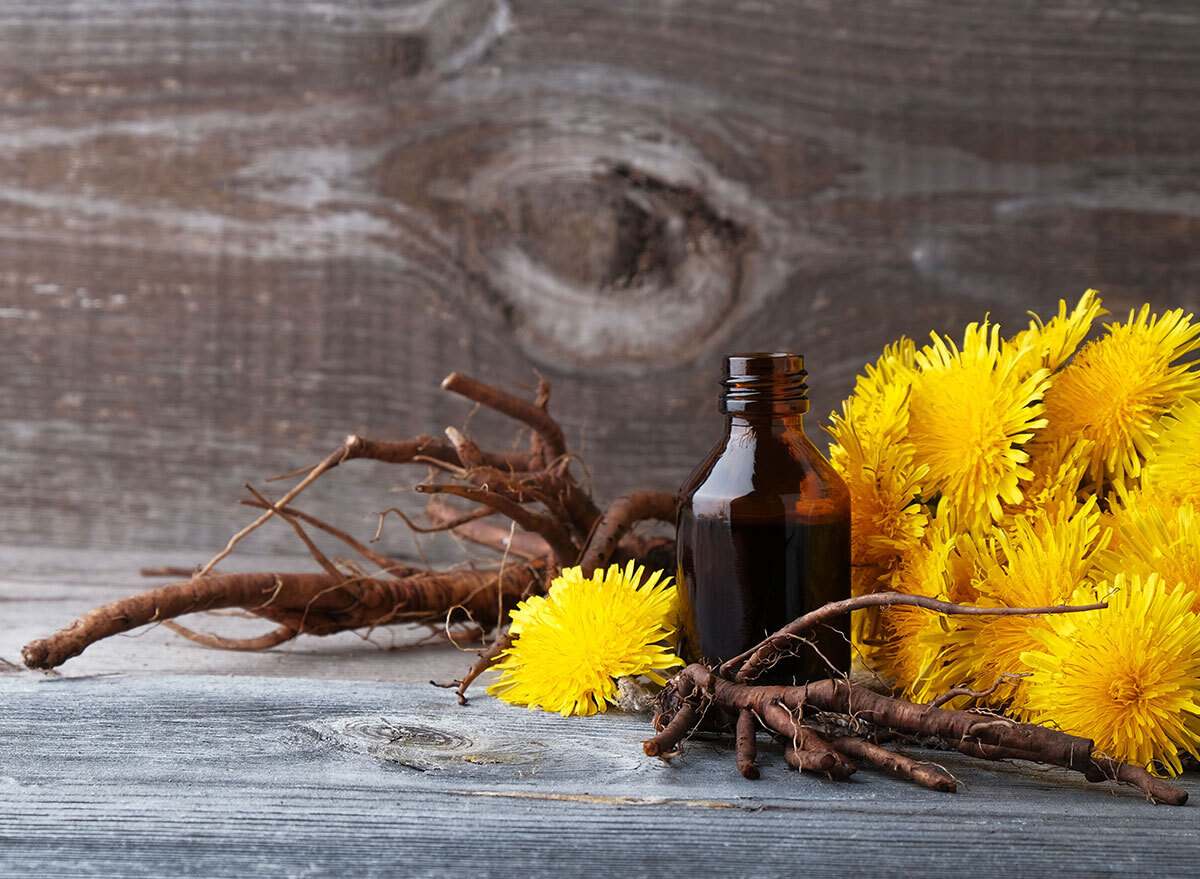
(763, 363)
(764, 383)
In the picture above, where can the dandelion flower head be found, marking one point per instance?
(1173, 468)
(1036, 563)
(970, 413)
(1050, 344)
(571, 645)
(1128, 677)
(873, 405)
(877, 466)
(1154, 540)
(1117, 387)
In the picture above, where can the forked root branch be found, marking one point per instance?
(533, 489)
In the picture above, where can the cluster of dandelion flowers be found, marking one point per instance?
(571, 645)
(1055, 467)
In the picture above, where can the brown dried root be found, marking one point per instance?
(747, 744)
(533, 489)
(352, 447)
(469, 527)
(924, 774)
(485, 660)
(310, 603)
(620, 517)
(803, 747)
(728, 691)
(386, 565)
(262, 642)
(978, 735)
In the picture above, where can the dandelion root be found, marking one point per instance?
(551, 522)
(782, 709)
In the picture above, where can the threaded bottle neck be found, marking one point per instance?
(764, 384)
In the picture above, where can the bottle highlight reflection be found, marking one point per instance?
(764, 525)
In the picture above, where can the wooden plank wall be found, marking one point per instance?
(233, 230)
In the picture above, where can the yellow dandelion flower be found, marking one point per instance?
(1128, 678)
(876, 413)
(1117, 387)
(881, 418)
(865, 634)
(1154, 540)
(870, 453)
(914, 651)
(1051, 344)
(938, 568)
(969, 414)
(894, 369)
(1059, 469)
(911, 642)
(878, 468)
(1173, 468)
(571, 645)
(1038, 562)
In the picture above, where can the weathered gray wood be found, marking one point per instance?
(232, 231)
(238, 776)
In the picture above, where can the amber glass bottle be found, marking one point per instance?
(764, 524)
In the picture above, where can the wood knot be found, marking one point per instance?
(609, 266)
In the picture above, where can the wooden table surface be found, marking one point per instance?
(150, 755)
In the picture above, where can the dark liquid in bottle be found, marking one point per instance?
(747, 579)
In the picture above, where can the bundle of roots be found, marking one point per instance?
(553, 523)
(831, 726)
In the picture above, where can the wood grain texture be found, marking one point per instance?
(231, 232)
(227, 777)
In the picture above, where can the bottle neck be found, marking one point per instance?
(740, 425)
